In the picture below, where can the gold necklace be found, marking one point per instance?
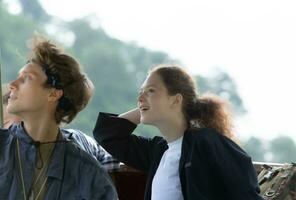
(22, 176)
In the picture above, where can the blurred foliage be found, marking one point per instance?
(224, 86)
(255, 148)
(116, 68)
(280, 149)
(15, 31)
(34, 10)
(283, 149)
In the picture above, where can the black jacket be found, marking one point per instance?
(211, 167)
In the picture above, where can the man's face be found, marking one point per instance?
(27, 93)
(9, 119)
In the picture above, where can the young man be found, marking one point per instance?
(36, 160)
(8, 119)
(79, 138)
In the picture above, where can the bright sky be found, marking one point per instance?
(254, 41)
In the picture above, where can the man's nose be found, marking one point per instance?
(13, 84)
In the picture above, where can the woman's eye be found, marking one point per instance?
(151, 90)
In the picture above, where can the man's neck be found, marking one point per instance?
(42, 130)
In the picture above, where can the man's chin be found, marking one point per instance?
(12, 111)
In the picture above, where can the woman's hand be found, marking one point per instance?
(132, 115)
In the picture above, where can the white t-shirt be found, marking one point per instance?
(166, 183)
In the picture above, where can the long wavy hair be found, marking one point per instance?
(199, 110)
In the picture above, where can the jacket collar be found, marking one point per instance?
(56, 166)
(186, 143)
(20, 133)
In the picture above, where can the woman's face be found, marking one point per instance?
(154, 102)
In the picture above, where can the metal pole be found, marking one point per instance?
(1, 99)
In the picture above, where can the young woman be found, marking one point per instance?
(197, 158)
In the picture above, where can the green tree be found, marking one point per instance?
(15, 31)
(116, 68)
(33, 9)
(283, 149)
(224, 86)
(108, 63)
(255, 148)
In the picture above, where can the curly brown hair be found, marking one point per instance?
(63, 72)
(199, 110)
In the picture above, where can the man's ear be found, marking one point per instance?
(55, 94)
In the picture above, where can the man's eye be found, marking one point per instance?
(24, 78)
(21, 79)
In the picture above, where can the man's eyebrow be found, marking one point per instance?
(26, 72)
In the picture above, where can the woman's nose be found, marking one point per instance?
(140, 97)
